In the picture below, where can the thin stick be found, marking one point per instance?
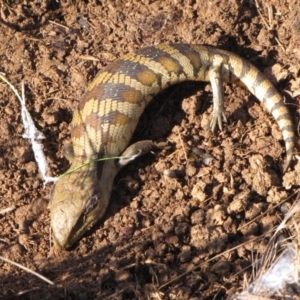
(27, 270)
(262, 17)
(182, 145)
(59, 25)
(268, 26)
(211, 259)
(7, 210)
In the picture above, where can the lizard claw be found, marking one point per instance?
(217, 119)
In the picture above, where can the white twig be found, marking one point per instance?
(277, 271)
(279, 275)
(32, 133)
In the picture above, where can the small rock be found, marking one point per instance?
(123, 276)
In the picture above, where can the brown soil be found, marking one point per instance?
(157, 227)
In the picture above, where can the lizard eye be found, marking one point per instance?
(91, 204)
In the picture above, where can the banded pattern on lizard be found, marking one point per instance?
(109, 111)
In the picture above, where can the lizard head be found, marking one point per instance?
(79, 200)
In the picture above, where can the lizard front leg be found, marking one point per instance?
(216, 80)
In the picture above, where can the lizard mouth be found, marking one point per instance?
(79, 200)
(64, 238)
(75, 211)
(68, 235)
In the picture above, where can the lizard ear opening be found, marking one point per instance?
(68, 151)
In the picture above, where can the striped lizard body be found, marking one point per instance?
(108, 113)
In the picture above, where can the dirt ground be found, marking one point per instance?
(163, 237)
